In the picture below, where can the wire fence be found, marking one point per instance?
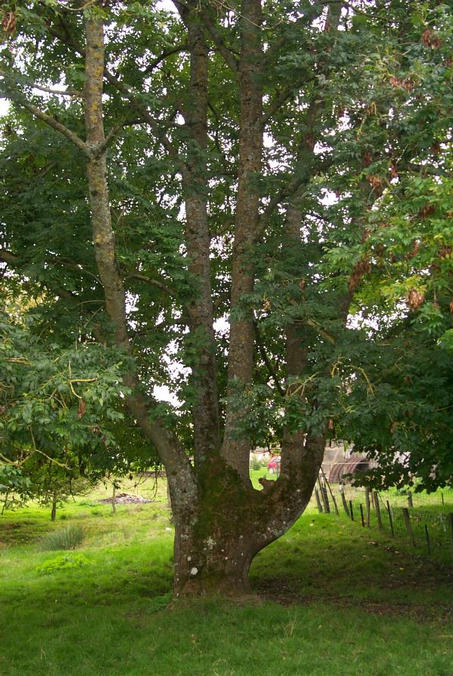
(427, 527)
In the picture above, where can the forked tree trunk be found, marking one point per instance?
(221, 522)
(217, 541)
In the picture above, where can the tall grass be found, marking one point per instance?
(67, 538)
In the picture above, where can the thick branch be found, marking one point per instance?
(177, 464)
(19, 98)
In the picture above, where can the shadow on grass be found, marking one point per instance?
(330, 558)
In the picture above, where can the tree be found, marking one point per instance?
(228, 126)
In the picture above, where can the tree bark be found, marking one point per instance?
(200, 308)
(214, 551)
(236, 450)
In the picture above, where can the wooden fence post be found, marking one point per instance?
(330, 491)
(389, 511)
(318, 501)
(377, 507)
(367, 506)
(428, 543)
(351, 510)
(343, 500)
(325, 498)
(361, 515)
(407, 521)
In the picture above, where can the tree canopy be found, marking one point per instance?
(248, 203)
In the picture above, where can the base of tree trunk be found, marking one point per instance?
(212, 566)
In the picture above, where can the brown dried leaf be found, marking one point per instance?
(415, 298)
(9, 23)
(82, 409)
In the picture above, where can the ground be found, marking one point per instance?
(331, 597)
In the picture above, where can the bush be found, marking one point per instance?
(62, 562)
(67, 538)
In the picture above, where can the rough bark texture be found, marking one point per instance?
(103, 237)
(217, 547)
(230, 525)
(240, 365)
(200, 308)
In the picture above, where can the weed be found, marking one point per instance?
(62, 562)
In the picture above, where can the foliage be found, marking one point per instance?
(62, 562)
(62, 416)
(15, 488)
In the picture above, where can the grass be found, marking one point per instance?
(64, 538)
(336, 598)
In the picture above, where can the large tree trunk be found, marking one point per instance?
(200, 308)
(236, 450)
(215, 544)
(213, 557)
(213, 551)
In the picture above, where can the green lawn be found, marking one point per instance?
(335, 598)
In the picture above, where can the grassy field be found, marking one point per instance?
(332, 598)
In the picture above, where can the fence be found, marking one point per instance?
(426, 528)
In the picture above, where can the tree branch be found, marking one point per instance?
(172, 150)
(59, 92)
(19, 98)
(215, 35)
(149, 280)
(267, 361)
(163, 56)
